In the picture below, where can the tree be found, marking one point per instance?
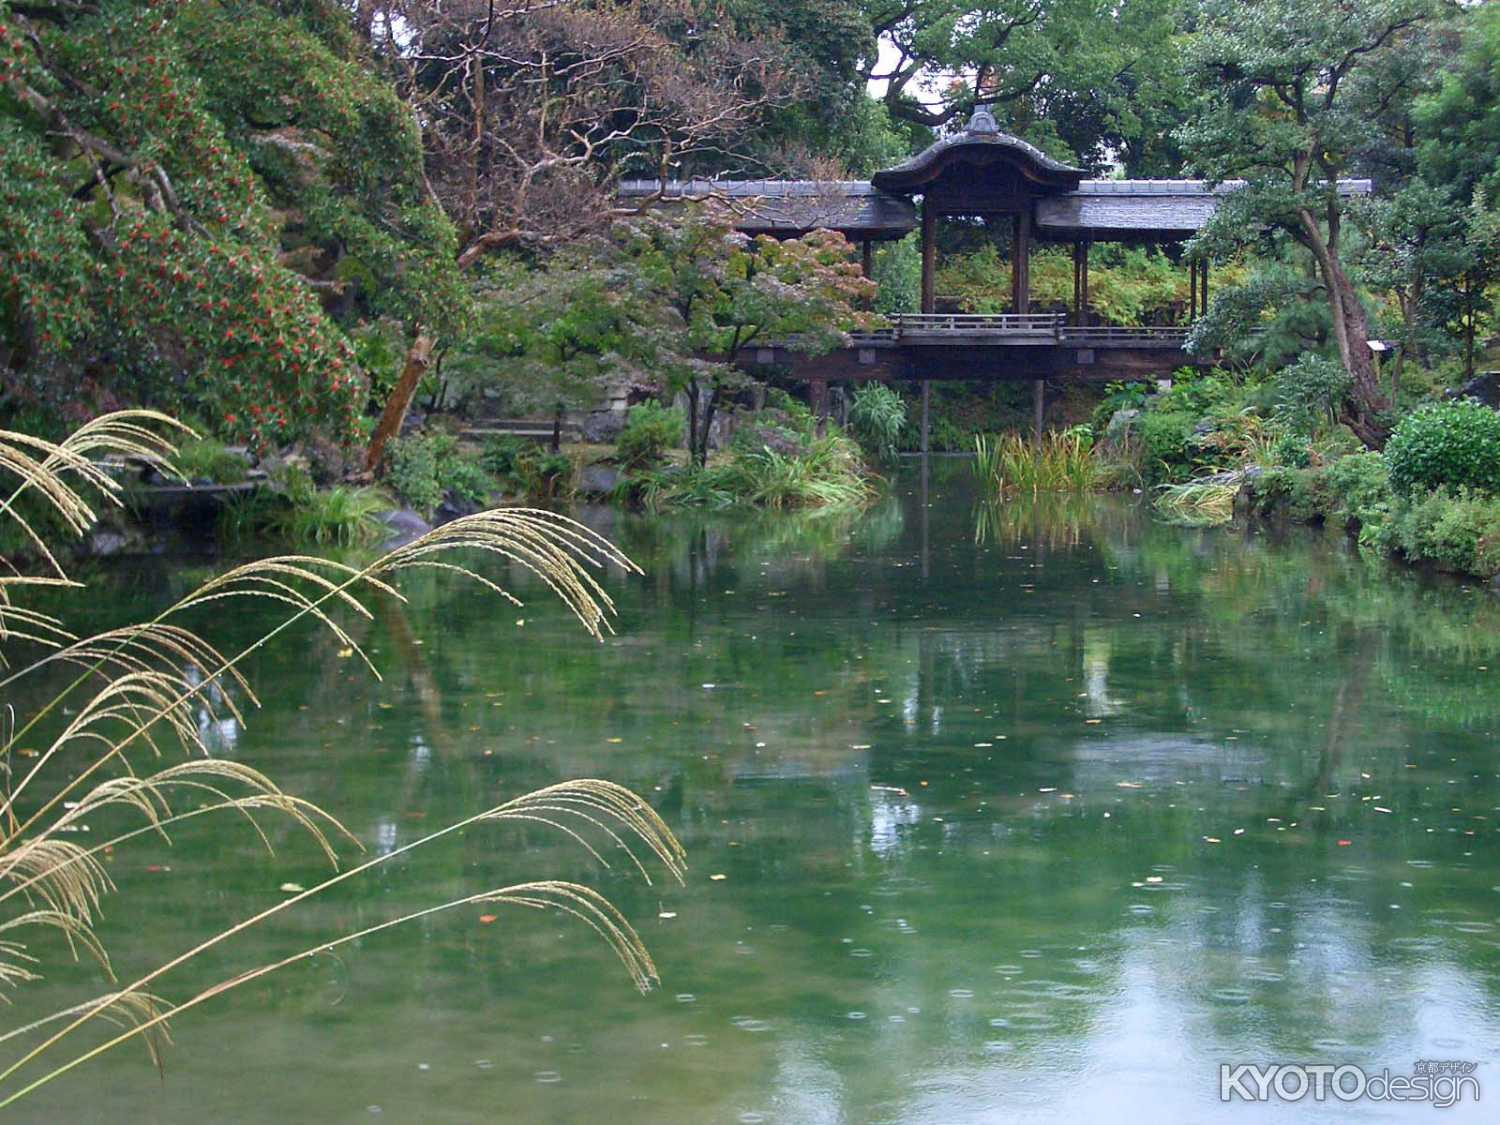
(1458, 160)
(1093, 80)
(725, 293)
(195, 201)
(1294, 92)
(535, 112)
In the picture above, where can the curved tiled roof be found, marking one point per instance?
(789, 207)
(980, 133)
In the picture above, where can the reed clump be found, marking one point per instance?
(1063, 461)
(1196, 503)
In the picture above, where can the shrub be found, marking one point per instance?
(1307, 391)
(1359, 487)
(650, 430)
(344, 515)
(1457, 529)
(1166, 439)
(545, 476)
(412, 470)
(210, 460)
(1453, 444)
(1283, 491)
(1292, 450)
(877, 416)
(501, 455)
(827, 472)
(425, 469)
(465, 480)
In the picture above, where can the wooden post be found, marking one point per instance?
(1038, 409)
(929, 256)
(1087, 246)
(1203, 301)
(1192, 290)
(1077, 281)
(1020, 264)
(819, 395)
(867, 258)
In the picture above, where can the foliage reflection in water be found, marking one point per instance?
(1023, 812)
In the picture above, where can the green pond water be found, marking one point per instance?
(1029, 813)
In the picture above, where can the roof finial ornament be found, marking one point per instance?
(983, 121)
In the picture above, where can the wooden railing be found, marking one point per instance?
(977, 324)
(934, 327)
(1106, 335)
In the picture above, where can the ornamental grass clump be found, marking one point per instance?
(120, 746)
(1063, 461)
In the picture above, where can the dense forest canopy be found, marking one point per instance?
(267, 214)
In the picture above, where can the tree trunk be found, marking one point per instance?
(692, 397)
(1367, 403)
(709, 401)
(417, 358)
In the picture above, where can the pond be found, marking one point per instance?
(1030, 812)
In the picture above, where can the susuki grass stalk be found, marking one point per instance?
(147, 676)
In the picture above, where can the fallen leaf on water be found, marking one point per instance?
(292, 888)
(614, 740)
(345, 653)
(1345, 843)
(667, 914)
(1212, 840)
(718, 878)
(486, 919)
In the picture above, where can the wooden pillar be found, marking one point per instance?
(1088, 244)
(1038, 409)
(1192, 290)
(867, 258)
(1020, 263)
(1203, 301)
(1077, 281)
(929, 256)
(819, 396)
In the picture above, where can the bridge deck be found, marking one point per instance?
(997, 346)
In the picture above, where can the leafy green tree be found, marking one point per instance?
(1293, 91)
(727, 293)
(195, 196)
(1091, 80)
(1458, 144)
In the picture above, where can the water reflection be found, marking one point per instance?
(1028, 812)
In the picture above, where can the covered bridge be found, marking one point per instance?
(983, 173)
